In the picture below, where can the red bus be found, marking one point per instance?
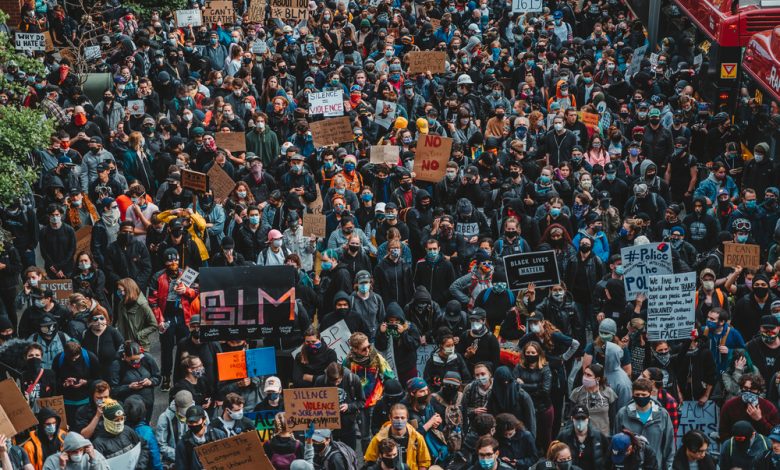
(761, 64)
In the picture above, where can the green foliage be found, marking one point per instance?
(27, 64)
(144, 7)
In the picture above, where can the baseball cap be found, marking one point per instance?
(362, 276)
(770, 321)
(183, 401)
(195, 413)
(272, 385)
(320, 435)
(195, 320)
(580, 412)
(477, 314)
(620, 444)
(775, 434)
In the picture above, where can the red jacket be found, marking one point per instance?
(736, 410)
(190, 303)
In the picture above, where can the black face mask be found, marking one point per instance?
(389, 461)
(342, 311)
(34, 364)
(760, 292)
(195, 334)
(195, 428)
(125, 238)
(585, 248)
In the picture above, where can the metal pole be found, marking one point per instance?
(652, 23)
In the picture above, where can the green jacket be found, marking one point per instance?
(136, 321)
(264, 144)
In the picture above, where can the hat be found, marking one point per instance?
(557, 14)
(380, 207)
(64, 160)
(608, 325)
(362, 276)
(174, 177)
(655, 112)
(679, 229)
(287, 29)
(297, 156)
(198, 132)
(74, 441)
(591, 218)
(452, 309)
(96, 140)
(478, 313)
(451, 378)
(415, 384)
(395, 67)
(364, 23)
(761, 147)
(272, 385)
(320, 435)
(227, 243)
(195, 319)
(48, 319)
(112, 409)
(170, 254)
(148, 120)
(775, 434)
(464, 79)
(422, 125)
(195, 413)
(610, 168)
(391, 206)
(580, 411)
(274, 234)
(620, 444)
(536, 316)
(774, 304)
(770, 321)
(183, 401)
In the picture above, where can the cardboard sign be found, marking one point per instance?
(185, 18)
(636, 61)
(92, 52)
(424, 61)
(430, 160)
(319, 405)
(327, 103)
(314, 224)
(741, 254)
(220, 183)
(316, 205)
(240, 452)
(693, 416)
(250, 302)
(264, 423)
(289, 9)
(423, 354)
(671, 306)
(6, 426)
(83, 239)
(188, 276)
(256, 11)
(58, 405)
(591, 120)
(331, 131)
(128, 459)
(260, 362)
(231, 365)
(336, 337)
(62, 289)
(219, 11)
(642, 261)
(136, 107)
(196, 181)
(527, 6)
(385, 154)
(233, 141)
(386, 112)
(16, 409)
(32, 42)
(539, 268)
(49, 41)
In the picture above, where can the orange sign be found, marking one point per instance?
(231, 365)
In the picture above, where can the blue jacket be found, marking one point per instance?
(709, 188)
(600, 244)
(146, 433)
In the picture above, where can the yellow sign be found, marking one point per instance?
(705, 46)
(728, 70)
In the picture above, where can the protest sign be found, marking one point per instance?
(256, 11)
(336, 337)
(670, 306)
(32, 42)
(539, 268)
(331, 131)
(641, 262)
(188, 276)
(385, 154)
(741, 254)
(264, 422)
(62, 289)
(136, 107)
(49, 41)
(92, 52)
(430, 161)
(314, 224)
(56, 404)
(240, 452)
(16, 409)
(424, 61)
(218, 11)
(385, 113)
(327, 103)
(233, 141)
(289, 9)
(319, 405)
(423, 354)
(527, 6)
(316, 206)
(694, 416)
(231, 365)
(196, 181)
(220, 182)
(250, 302)
(591, 120)
(185, 18)
(83, 238)
(636, 61)
(260, 362)
(6, 426)
(128, 459)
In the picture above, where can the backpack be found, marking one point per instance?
(61, 357)
(283, 461)
(348, 453)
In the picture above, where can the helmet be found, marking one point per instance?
(465, 80)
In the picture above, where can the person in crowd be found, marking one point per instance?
(597, 397)
(398, 429)
(135, 410)
(135, 373)
(134, 317)
(113, 439)
(199, 432)
(46, 439)
(77, 453)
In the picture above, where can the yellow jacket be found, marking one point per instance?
(417, 454)
(197, 230)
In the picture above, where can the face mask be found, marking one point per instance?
(641, 402)
(76, 458)
(55, 219)
(85, 266)
(558, 127)
(395, 253)
(619, 270)
(663, 358)
(760, 292)
(399, 424)
(277, 243)
(712, 325)
(486, 464)
(536, 328)
(758, 157)
(451, 175)
(198, 373)
(195, 428)
(236, 415)
(326, 265)
(559, 295)
(768, 339)
(50, 429)
(587, 382)
(364, 288)
(254, 219)
(742, 238)
(580, 424)
(585, 248)
(113, 427)
(476, 326)
(708, 285)
(40, 303)
(750, 204)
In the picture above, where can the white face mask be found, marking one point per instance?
(449, 350)
(558, 126)
(536, 328)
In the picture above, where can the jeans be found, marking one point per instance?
(177, 330)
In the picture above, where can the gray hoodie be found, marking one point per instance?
(74, 441)
(658, 430)
(616, 377)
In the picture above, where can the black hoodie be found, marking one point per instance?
(48, 445)
(404, 345)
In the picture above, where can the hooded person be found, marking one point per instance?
(744, 447)
(112, 438)
(80, 455)
(46, 439)
(403, 338)
(380, 414)
(616, 377)
(508, 396)
(454, 318)
(424, 312)
(342, 310)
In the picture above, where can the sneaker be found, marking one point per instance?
(165, 386)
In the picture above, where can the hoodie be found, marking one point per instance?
(616, 377)
(40, 446)
(354, 321)
(566, 102)
(404, 344)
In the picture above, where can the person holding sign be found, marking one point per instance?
(199, 433)
(45, 440)
(311, 362)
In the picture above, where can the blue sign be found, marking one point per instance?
(260, 362)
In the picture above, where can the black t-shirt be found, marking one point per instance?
(403, 444)
(582, 454)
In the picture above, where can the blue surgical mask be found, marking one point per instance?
(555, 211)
(750, 204)
(742, 238)
(326, 265)
(364, 288)
(712, 324)
(619, 270)
(349, 166)
(254, 219)
(611, 176)
(487, 464)
(367, 197)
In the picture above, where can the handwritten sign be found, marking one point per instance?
(196, 181)
(16, 409)
(240, 452)
(127, 459)
(424, 61)
(136, 107)
(539, 267)
(319, 405)
(289, 9)
(694, 416)
(186, 18)
(591, 120)
(83, 238)
(527, 6)
(56, 404)
(219, 11)
(233, 141)
(188, 276)
(92, 52)
(641, 262)
(260, 362)
(314, 224)
(331, 131)
(430, 160)
(6, 426)
(423, 354)
(670, 306)
(32, 42)
(264, 422)
(62, 289)
(49, 41)
(327, 103)
(336, 337)
(741, 254)
(386, 112)
(231, 365)
(220, 182)
(256, 11)
(385, 154)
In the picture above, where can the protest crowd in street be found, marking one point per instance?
(391, 236)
